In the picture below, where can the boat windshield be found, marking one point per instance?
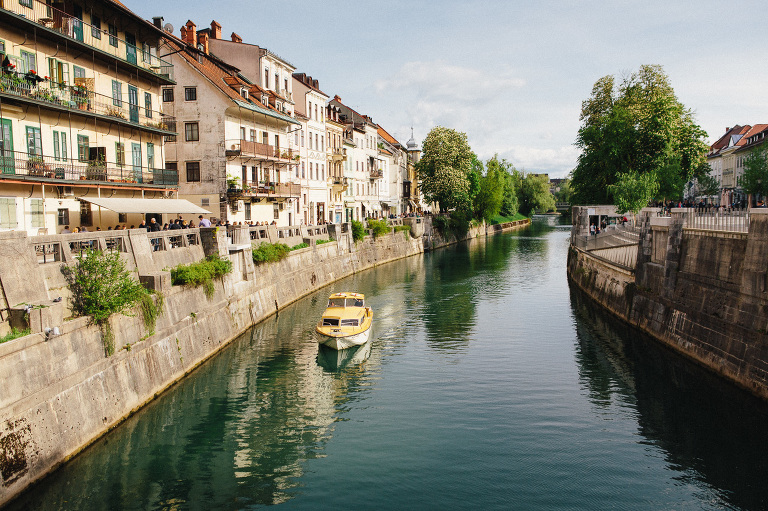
(349, 322)
(330, 322)
(350, 302)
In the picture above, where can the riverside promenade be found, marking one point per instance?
(694, 280)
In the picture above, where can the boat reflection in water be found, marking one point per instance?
(333, 360)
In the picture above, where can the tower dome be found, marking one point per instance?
(411, 144)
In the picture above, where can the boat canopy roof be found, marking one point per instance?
(342, 300)
(346, 294)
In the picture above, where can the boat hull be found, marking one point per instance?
(342, 342)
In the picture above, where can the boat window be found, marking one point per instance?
(349, 322)
(330, 322)
(336, 302)
(354, 302)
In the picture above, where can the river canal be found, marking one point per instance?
(488, 384)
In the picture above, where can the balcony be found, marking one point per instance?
(338, 184)
(268, 190)
(377, 174)
(339, 154)
(31, 86)
(82, 33)
(248, 148)
(16, 165)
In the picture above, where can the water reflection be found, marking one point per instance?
(335, 360)
(708, 431)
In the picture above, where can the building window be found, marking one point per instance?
(36, 212)
(302, 138)
(95, 27)
(266, 78)
(83, 148)
(120, 153)
(170, 126)
(310, 141)
(247, 210)
(253, 136)
(150, 156)
(206, 202)
(62, 217)
(148, 105)
(145, 52)
(34, 142)
(242, 133)
(190, 93)
(117, 93)
(26, 3)
(122, 218)
(302, 170)
(193, 172)
(8, 214)
(191, 132)
(60, 145)
(168, 95)
(311, 171)
(86, 215)
(112, 35)
(78, 71)
(27, 61)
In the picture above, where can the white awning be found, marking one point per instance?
(168, 206)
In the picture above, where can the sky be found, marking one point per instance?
(509, 74)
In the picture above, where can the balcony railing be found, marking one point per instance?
(376, 174)
(31, 86)
(250, 148)
(76, 29)
(18, 165)
(264, 189)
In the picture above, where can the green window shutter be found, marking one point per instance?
(63, 145)
(56, 149)
(36, 213)
(34, 142)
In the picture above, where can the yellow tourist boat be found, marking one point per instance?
(346, 321)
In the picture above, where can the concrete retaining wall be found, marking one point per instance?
(702, 293)
(61, 392)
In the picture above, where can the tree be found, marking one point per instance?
(638, 127)
(445, 169)
(534, 194)
(509, 202)
(755, 178)
(706, 183)
(633, 190)
(488, 201)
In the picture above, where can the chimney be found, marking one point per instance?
(215, 30)
(203, 39)
(727, 129)
(236, 38)
(315, 84)
(158, 21)
(337, 98)
(191, 34)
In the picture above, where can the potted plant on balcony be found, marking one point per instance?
(96, 171)
(80, 96)
(32, 77)
(233, 186)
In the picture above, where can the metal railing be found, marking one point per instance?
(18, 165)
(251, 148)
(77, 30)
(31, 86)
(717, 219)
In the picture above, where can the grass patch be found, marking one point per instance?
(201, 273)
(300, 246)
(14, 334)
(498, 219)
(320, 242)
(270, 252)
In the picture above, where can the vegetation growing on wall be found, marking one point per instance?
(358, 231)
(270, 252)
(101, 286)
(14, 334)
(201, 273)
(379, 227)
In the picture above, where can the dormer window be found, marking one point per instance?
(265, 99)
(244, 92)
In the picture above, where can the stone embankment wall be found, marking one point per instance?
(702, 292)
(60, 392)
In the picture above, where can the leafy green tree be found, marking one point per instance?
(564, 192)
(706, 183)
(633, 191)
(509, 202)
(488, 201)
(445, 169)
(534, 194)
(755, 177)
(638, 127)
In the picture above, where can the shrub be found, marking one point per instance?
(300, 245)
(270, 252)
(320, 242)
(102, 286)
(379, 227)
(201, 273)
(358, 230)
(404, 228)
